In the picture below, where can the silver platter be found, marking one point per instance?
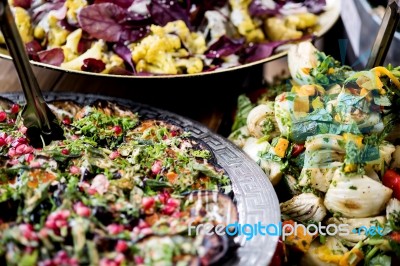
(254, 194)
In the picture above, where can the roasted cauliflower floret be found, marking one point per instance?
(193, 41)
(162, 52)
(112, 60)
(23, 22)
(73, 8)
(70, 48)
(57, 35)
(289, 27)
(241, 18)
(95, 52)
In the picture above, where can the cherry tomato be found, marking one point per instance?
(297, 149)
(395, 236)
(391, 179)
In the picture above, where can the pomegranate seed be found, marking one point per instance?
(13, 162)
(28, 149)
(92, 191)
(66, 121)
(74, 170)
(28, 250)
(23, 129)
(146, 231)
(29, 157)
(142, 224)
(82, 210)
(22, 140)
(60, 223)
(2, 142)
(50, 224)
(108, 262)
(9, 139)
(15, 108)
(115, 229)
(174, 133)
(119, 259)
(65, 151)
(139, 260)
(47, 262)
(43, 233)
(121, 246)
(117, 130)
(73, 262)
(20, 149)
(113, 155)
(173, 202)
(35, 164)
(168, 210)
(156, 167)
(11, 152)
(3, 116)
(64, 214)
(163, 197)
(148, 202)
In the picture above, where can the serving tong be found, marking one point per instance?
(42, 125)
(385, 35)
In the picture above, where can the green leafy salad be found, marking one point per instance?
(328, 140)
(117, 190)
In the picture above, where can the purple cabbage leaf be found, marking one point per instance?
(22, 3)
(259, 51)
(122, 3)
(53, 56)
(223, 47)
(162, 12)
(109, 22)
(124, 52)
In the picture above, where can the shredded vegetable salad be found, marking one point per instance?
(328, 140)
(157, 37)
(117, 190)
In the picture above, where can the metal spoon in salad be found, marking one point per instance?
(42, 125)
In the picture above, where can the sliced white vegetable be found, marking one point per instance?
(301, 58)
(318, 178)
(358, 228)
(253, 147)
(393, 206)
(239, 136)
(351, 196)
(304, 207)
(258, 117)
(386, 149)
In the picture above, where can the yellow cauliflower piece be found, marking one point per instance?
(161, 52)
(23, 22)
(96, 52)
(289, 27)
(57, 35)
(195, 42)
(301, 21)
(73, 8)
(241, 19)
(70, 48)
(112, 60)
(192, 65)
